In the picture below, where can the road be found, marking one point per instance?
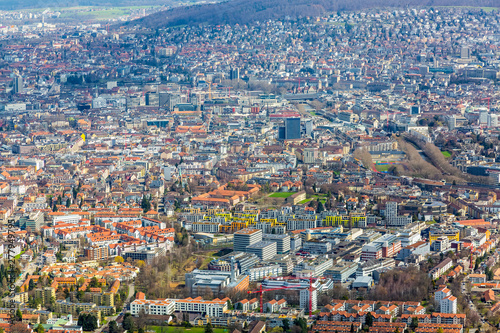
(27, 271)
(473, 307)
(131, 291)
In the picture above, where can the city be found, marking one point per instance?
(329, 173)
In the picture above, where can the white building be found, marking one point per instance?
(448, 304)
(304, 299)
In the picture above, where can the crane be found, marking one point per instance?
(261, 292)
(489, 100)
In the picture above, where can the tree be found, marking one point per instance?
(320, 207)
(128, 322)
(301, 323)
(31, 285)
(119, 259)
(19, 315)
(439, 330)
(145, 204)
(286, 324)
(113, 327)
(209, 328)
(87, 321)
(396, 330)
(369, 319)
(414, 323)
(40, 329)
(68, 202)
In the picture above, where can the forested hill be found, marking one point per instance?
(246, 11)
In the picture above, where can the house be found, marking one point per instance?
(242, 305)
(274, 305)
(489, 296)
(253, 304)
(477, 278)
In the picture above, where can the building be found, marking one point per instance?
(264, 250)
(392, 217)
(96, 252)
(246, 237)
(18, 84)
(441, 268)
(234, 74)
(304, 299)
(317, 247)
(45, 294)
(448, 304)
(282, 242)
(341, 272)
(441, 244)
(386, 246)
(441, 293)
(438, 231)
(291, 130)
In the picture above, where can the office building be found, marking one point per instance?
(18, 84)
(246, 237)
(282, 242)
(234, 74)
(264, 250)
(291, 130)
(465, 52)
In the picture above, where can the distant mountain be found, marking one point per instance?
(246, 11)
(27, 4)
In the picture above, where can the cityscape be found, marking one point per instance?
(327, 173)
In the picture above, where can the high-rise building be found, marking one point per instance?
(304, 299)
(246, 237)
(234, 74)
(483, 117)
(492, 120)
(292, 128)
(465, 52)
(18, 84)
(415, 109)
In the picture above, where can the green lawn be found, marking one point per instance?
(304, 201)
(19, 255)
(381, 167)
(313, 113)
(177, 329)
(281, 194)
(446, 154)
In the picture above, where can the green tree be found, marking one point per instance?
(145, 204)
(369, 319)
(113, 327)
(320, 207)
(31, 285)
(414, 323)
(286, 324)
(68, 202)
(19, 315)
(128, 322)
(209, 328)
(301, 323)
(40, 329)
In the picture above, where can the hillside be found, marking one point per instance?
(246, 11)
(29, 4)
